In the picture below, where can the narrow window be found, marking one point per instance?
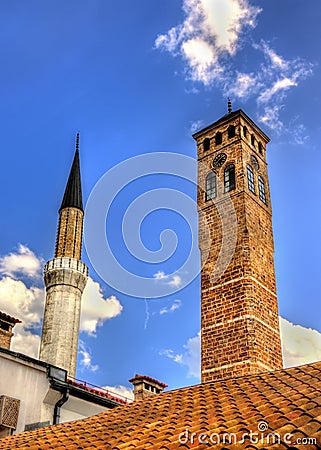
(218, 138)
(210, 186)
(261, 189)
(260, 148)
(229, 178)
(250, 179)
(231, 131)
(206, 144)
(244, 131)
(253, 140)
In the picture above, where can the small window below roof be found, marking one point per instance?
(206, 144)
(260, 147)
(218, 138)
(244, 131)
(231, 131)
(253, 140)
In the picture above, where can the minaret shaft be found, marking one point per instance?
(65, 278)
(69, 234)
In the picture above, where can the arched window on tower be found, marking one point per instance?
(218, 138)
(253, 140)
(260, 148)
(229, 178)
(210, 191)
(244, 131)
(206, 144)
(262, 194)
(231, 131)
(250, 179)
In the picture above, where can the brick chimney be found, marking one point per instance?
(6, 325)
(145, 387)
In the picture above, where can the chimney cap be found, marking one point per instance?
(140, 378)
(8, 318)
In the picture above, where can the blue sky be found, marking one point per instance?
(140, 77)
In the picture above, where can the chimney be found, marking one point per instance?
(145, 387)
(6, 325)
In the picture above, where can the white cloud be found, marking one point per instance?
(95, 309)
(27, 302)
(120, 390)
(211, 29)
(300, 345)
(210, 40)
(159, 275)
(168, 309)
(22, 262)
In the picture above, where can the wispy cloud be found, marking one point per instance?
(189, 357)
(196, 125)
(86, 358)
(210, 41)
(173, 307)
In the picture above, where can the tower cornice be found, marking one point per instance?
(227, 119)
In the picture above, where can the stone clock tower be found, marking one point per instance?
(239, 310)
(65, 279)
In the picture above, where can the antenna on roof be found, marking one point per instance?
(229, 105)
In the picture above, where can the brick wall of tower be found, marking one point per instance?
(239, 312)
(69, 234)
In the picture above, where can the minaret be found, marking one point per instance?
(239, 309)
(65, 279)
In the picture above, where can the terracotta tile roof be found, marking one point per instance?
(288, 402)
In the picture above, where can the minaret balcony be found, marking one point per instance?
(63, 262)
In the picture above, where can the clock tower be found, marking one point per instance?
(239, 310)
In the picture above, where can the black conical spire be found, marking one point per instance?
(73, 194)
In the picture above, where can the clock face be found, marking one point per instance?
(255, 162)
(219, 160)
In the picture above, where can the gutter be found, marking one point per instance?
(58, 405)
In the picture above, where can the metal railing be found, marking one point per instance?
(63, 262)
(99, 390)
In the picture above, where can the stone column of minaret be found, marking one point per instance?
(65, 279)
